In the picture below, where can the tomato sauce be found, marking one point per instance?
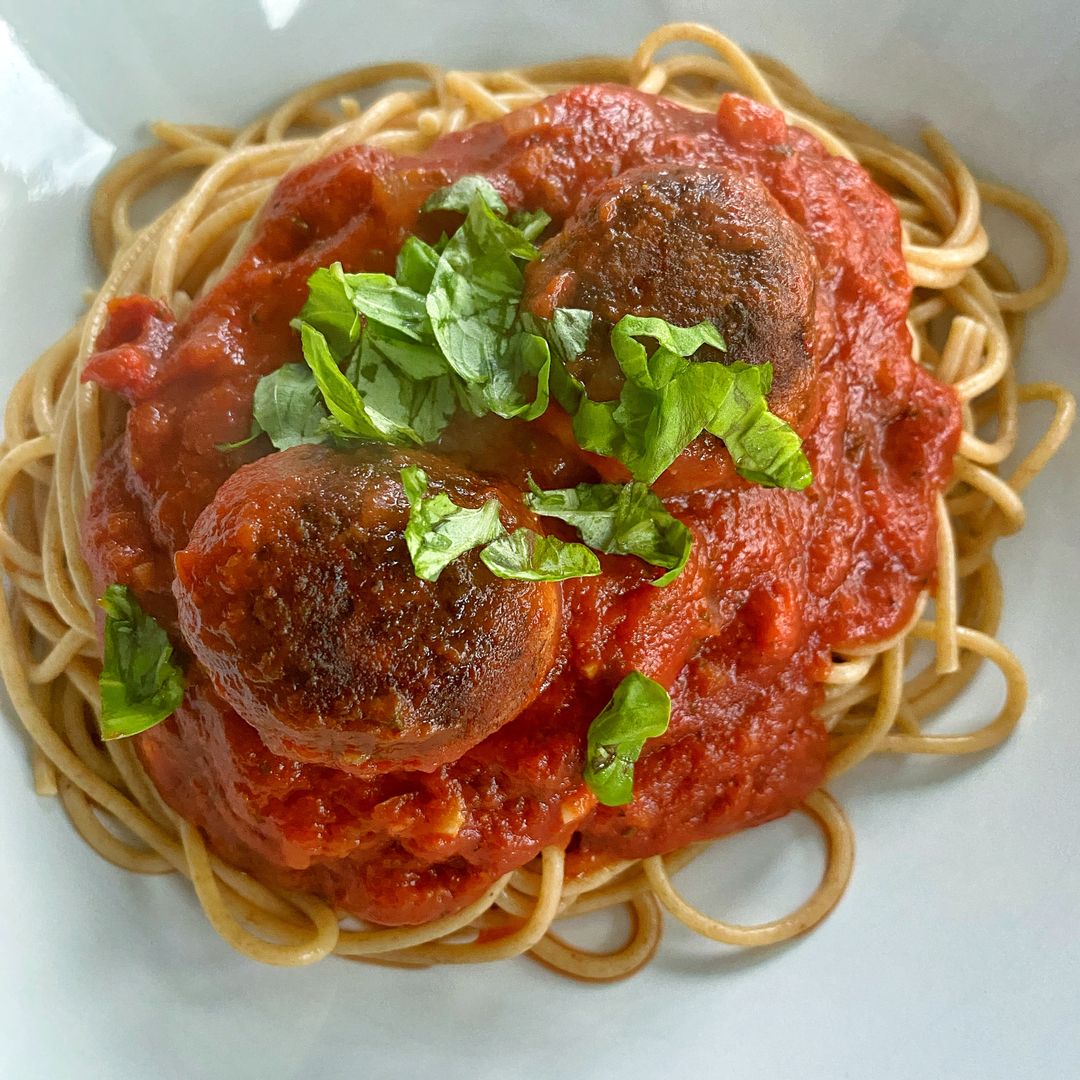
(777, 579)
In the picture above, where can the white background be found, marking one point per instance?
(955, 953)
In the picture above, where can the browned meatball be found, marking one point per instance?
(297, 594)
(688, 244)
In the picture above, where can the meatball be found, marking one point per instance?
(297, 593)
(688, 244)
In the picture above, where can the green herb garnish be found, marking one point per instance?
(140, 685)
(640, 709)
(524, 555)
(393, 357)
(287, 408)
(439, 530)
(473, 303)
(667, 401)
(620, 519)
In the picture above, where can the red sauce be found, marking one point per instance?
(777, 580)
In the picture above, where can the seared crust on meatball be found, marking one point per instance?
(688, 244)
(297, 593)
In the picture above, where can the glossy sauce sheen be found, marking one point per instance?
(776, 580)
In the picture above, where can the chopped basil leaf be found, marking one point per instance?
(423, 406)
(475, 293)
(288, 407)
(392, 358)
(394, 387)
(473, 304)
(140, 685)
(680, 341)
(666, 402)
(411, 359)
(380, 298)
(405, 380)
(329, 309)
(461, 194)
(639, 709)
(568, 331)
(527, 355)
(336, 300)
(416, 264)
(530, 353)
(765, 450)
(524, 555)
(620, 519)
(439, 530)
(660, 409)
(350, 416)
(531, 222)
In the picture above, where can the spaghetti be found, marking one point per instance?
(967, 322)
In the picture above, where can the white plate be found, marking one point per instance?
(956, 951)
